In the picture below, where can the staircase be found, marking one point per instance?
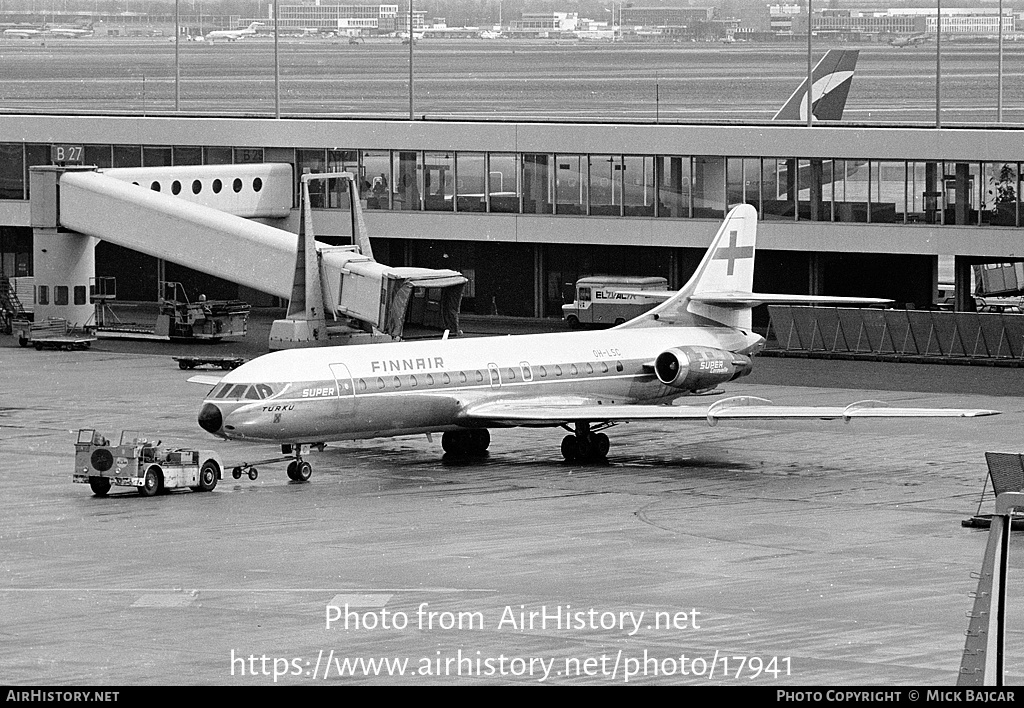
(10, 306)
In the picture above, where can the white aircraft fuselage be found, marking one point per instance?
(376, 390)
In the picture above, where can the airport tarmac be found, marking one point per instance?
(825, 553)
(523, 80)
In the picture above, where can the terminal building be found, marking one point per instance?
(525, 209)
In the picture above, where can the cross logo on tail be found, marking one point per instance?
(732, 252)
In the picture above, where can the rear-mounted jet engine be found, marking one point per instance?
(699, 368)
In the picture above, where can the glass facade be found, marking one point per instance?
(611, 185)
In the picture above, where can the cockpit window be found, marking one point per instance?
(254, 392)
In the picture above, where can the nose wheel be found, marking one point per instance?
(585, 445)
(299, 470)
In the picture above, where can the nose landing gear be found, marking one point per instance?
(298, 469)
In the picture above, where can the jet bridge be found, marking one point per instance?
(200, 217)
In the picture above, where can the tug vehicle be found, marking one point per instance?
(138, 462)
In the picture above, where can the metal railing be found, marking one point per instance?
(910, 335)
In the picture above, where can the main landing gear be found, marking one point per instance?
(464, 443)
(585, 445)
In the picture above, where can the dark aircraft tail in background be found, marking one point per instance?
(832, 79)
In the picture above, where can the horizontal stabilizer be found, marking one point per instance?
(744, 299)
(741, 299)
(543, 412)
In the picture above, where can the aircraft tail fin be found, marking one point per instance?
(727, 267)
(832, 79)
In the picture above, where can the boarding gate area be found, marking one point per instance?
(896, 335)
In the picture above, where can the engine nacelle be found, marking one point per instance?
(699, 368)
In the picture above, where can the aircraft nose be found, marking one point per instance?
(210, 418)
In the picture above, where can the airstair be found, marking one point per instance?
(11, 307)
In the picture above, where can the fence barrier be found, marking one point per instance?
(904, 335)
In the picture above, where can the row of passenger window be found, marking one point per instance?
(493, 376)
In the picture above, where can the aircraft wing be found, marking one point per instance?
(544, 412)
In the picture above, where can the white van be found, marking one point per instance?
(600, 300)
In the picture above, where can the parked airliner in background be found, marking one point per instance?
(911, 41)
(233, 35)
(22, 33)
(832, 78)
(70, 32)
(585, 382)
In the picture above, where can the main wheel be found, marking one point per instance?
(303, 471)
(585, 448)
(601, 446)
(208, 475)
(480, 439)
(451, 442)
(291, 470)
(100, 486)
(152, 484)
(570, 448)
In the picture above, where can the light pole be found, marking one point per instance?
(938, 63)
(412, 41)
(177, 65)
(277, 70)
(999, 70)
(810, 71)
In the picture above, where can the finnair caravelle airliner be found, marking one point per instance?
(585, 382)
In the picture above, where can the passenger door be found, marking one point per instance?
(346, 388)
